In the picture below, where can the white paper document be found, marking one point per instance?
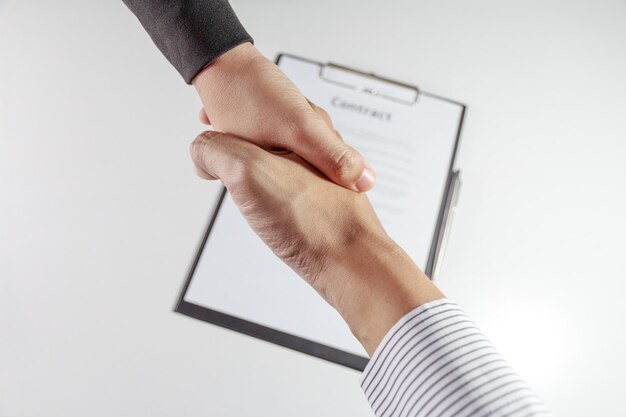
(409, 139)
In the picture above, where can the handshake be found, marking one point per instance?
(300, 187)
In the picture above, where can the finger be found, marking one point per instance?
(325, 117)
(197, 150)
(341, 163)
(203, 117)
(323, 114)
(221, 156)
(341, 138)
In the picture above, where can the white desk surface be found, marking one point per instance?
(100, 212)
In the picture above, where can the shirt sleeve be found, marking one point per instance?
(435, 362)
(190, 33)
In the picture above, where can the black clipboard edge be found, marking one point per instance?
(254, 329)
(447, 204)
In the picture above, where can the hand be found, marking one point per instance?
(329, 235)
(245, 94)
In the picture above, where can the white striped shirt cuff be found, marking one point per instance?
(435, 362)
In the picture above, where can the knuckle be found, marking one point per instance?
(344, 162)
(195, 145)
(203, 174)
(238, 174)
(198, 146)
(196, 151)
(302, 125)
(199, 151)
(244, 166)
(338, 135)
(324, 114)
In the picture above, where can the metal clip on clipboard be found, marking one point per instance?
(370, 83)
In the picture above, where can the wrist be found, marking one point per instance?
(234, 57)
(215, 76)
(373, 284)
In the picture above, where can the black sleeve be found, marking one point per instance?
(190, 33)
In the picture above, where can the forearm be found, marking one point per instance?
(427, 356)
(225, 86)
(373, 284)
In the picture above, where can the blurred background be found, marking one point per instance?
(100, 211)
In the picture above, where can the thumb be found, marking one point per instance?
(341, 163)
(221, 156)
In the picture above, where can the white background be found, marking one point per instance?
(100, 212)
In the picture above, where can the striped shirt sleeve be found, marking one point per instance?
(435, 362)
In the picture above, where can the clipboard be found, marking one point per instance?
(252, 297)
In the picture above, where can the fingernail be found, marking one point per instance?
(368, 165)
(366, 182)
